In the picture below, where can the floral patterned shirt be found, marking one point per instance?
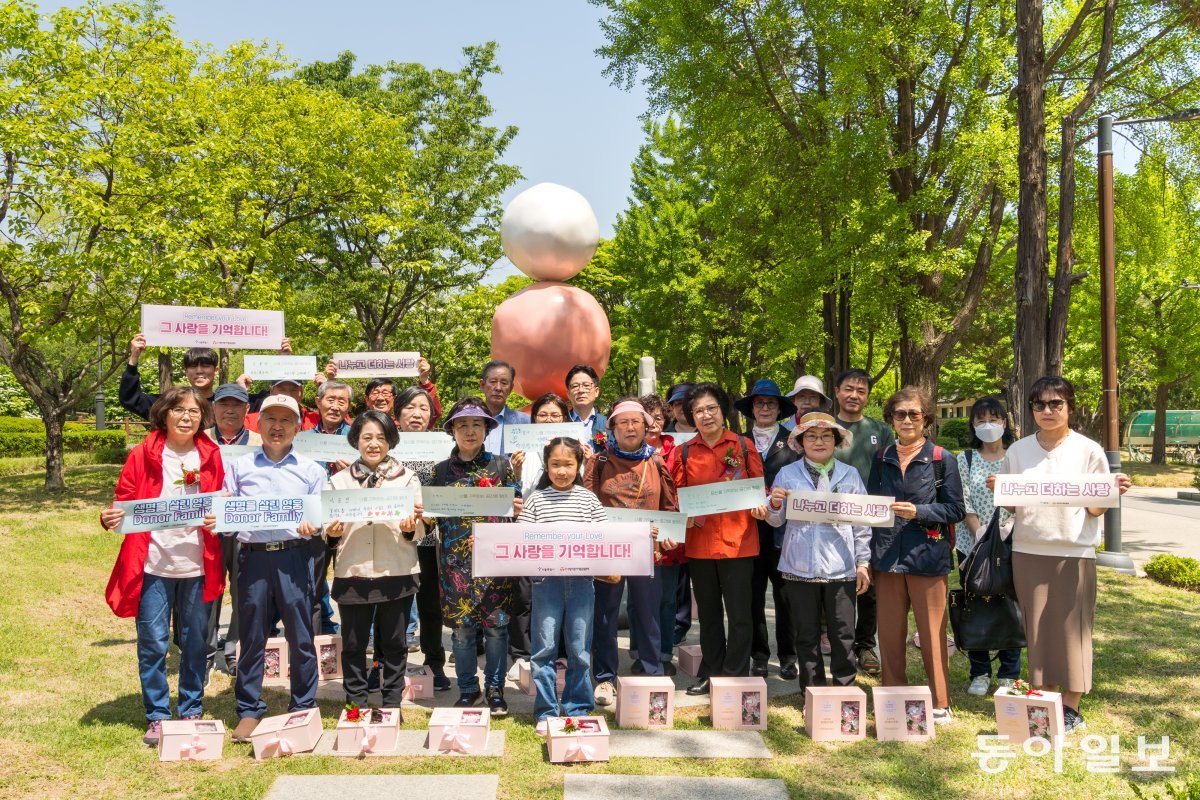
(977, 497)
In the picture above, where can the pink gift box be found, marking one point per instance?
(459, 730)
(738, 703)
(329, 656)
(191, 740)
(903, 713)
(835, 713)
(1021, 717)
(689, 659)
(287, 734)
(276, 664)
(375, 734)
(418, 683)
(588, 743)
(645, 702)
(525, 678)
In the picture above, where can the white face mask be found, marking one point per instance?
(989, 431)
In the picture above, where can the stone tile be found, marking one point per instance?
(622, 787)
(694, 744)
(426, 787)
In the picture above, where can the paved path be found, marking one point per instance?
(1155, 521)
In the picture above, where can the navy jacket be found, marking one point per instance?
(906, 546)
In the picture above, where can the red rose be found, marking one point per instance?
(353, 713)
(189, 478)
(486, 483)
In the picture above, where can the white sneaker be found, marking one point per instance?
(979, 686)
(942, 715)
(515, 669)
(605, 694)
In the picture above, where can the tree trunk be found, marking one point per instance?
(1158, 454)
(919, 366)
(1032, 275)
(165, 381)
(54, 419)
(1064, 259)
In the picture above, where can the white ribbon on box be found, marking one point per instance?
(367, 743)
(578, 751)
(192, 750)
(455, 741)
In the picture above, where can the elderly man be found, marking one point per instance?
(333, 406)
(628, 474)
(288, 387)
(808, 395)
(231, 403)
(583, 388)
(275, 566)
(496, 383)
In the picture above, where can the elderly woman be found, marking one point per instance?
(1054, 549)
(629, 474)
(824, 565)
(414, 410)
(721, 548)
(766, 406)
(375, 572)
(912, 558)
(172, 571)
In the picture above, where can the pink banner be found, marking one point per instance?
(192, 326)
(515, 549)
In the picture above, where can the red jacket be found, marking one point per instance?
(141, 479)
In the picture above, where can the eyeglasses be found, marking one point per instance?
(549, 416)
(187, 412)
(381, 393)
(915, 416)
(581, 387)
(765, 402)
(706, 411)
(1053, 405)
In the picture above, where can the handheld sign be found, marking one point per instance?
(193, 326)
(853, 509)
(265, 513)
(679, 437)
(324, 447)
(367, 505)
(722, 497)
(452, 501)
(376, 365)
(515, 549)
(432, 446)
(232, 452)
(184, 511)
(275, 368)
(532, 439)
(1089, 490)
(671, 524)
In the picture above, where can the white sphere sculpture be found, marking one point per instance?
(549, 232)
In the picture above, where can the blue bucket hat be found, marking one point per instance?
(766, 388)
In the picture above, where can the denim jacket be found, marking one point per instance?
(819, 549)
(907, 545)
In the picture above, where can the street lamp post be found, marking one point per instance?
(1112, 555)
(100, 385)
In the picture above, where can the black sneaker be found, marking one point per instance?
(495, 699)
(759, 669)
(789, 672)
(467, 699)
(1072, 720)
(440, 682)
(668, 668)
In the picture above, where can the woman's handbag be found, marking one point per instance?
(982, 622)
(987, 570)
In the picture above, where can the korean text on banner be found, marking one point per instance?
(193, 326)
(162, 513)
(324, 447)
(431, 446)
(1086, 490)
(274, 368)
(368, 505)
(533, 438)
(671, 524)
(454, 501)
(376, 365)
(854, 509)
(265, 513)
(567, 549)
(722, 496)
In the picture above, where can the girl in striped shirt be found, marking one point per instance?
(562, 604)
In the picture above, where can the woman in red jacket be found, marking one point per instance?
(172, 569)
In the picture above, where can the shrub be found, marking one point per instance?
(74, 441)
(1175, 571)
(110, 454)
(1196, 479)
(956, 429)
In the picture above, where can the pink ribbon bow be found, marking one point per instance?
(410, 690)
(578, 751)
(367, 743)
(193, 748)
(283, 745)
(455, 741)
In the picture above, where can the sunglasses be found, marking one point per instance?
(1042, 405)
(913, 415)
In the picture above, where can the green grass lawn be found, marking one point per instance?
(1173, 476)
(71, 717)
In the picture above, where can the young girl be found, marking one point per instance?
(562, 605)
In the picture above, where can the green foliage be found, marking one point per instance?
(1174, 571)
(957, 430)
(30, 444)
(1188, 790)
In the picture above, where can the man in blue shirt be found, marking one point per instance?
(496, 383)
(583, 388)
(275, 566)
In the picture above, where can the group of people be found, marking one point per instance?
(839, 589)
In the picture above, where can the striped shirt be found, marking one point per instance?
(551, 505)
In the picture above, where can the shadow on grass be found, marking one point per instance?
(113, 642)
(87, 487)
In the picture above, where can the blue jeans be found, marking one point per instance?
(562, 606)
(642, 607)
(1010, 663)
(411, 630)
(464, 639)
(159, 597)
(668, 576)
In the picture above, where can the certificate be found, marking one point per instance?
(376, 365)
(854, 509)
(265, 513)
(367, 505)
(184, 511)
(274, 368)
(432, 446)
(671, 524)
(467, 501)
(1090, 490)
(192, 326)
(515, 549)
(534, 438)
(232, 452)
(722, 496)
(325, 447)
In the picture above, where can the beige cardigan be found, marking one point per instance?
(376, 549)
